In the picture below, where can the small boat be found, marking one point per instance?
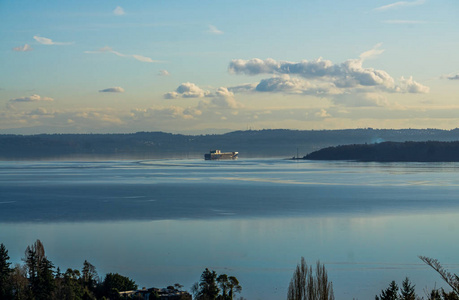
(217, 154)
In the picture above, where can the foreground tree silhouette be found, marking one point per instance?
(40, 271)
(407, 291)
(223, 284)
(234, 287)
(5, 287)
(115, 283)
(451, 279)
(391, 293)
(229, 285)
(305, 286)
(207, 288)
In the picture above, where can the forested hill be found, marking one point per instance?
(250, 143)
(391, 152)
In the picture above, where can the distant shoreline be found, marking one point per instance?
(268, 143)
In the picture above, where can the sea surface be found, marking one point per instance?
(162, 222)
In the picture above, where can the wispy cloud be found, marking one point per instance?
(47, 41)
(107, 49)
(143, 58)
(399, 4)
(165, 114)
(214, 30)
(24, 48)
(33, 98)
(119, 11)
(372, 53)
(115, 89)
(403, 22)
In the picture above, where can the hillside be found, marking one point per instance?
(147, 145)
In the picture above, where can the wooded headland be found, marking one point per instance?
(391, 152)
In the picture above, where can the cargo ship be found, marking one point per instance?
(217, 154)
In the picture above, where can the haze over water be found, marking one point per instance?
(164, 221)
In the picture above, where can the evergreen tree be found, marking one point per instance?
(391, 293)
(5, 271)
(45, 280)
(40, 271)
(407, 291)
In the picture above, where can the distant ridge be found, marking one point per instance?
(391, 152)
(280, 143)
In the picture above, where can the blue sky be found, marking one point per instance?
(216, 66)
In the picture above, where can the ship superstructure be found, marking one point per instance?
(217, 154)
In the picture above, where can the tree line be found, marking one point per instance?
(307, 285)
(37, 279)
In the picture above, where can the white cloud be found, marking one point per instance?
(118, 11)
(107, 49)
(163, 73)
(214, 30)
(33, 98)
(171, 95)
(221, 98)
(187, 90)
(291, 85)
(408, 85)
(115, 89)
(349, 73)
(47, 41)
(322, 114)
(248, 87)
(323, 77)
(282, 83)
(399, 4)
(24, 48)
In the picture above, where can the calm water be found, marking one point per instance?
(164, 221)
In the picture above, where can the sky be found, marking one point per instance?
(199, 67)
